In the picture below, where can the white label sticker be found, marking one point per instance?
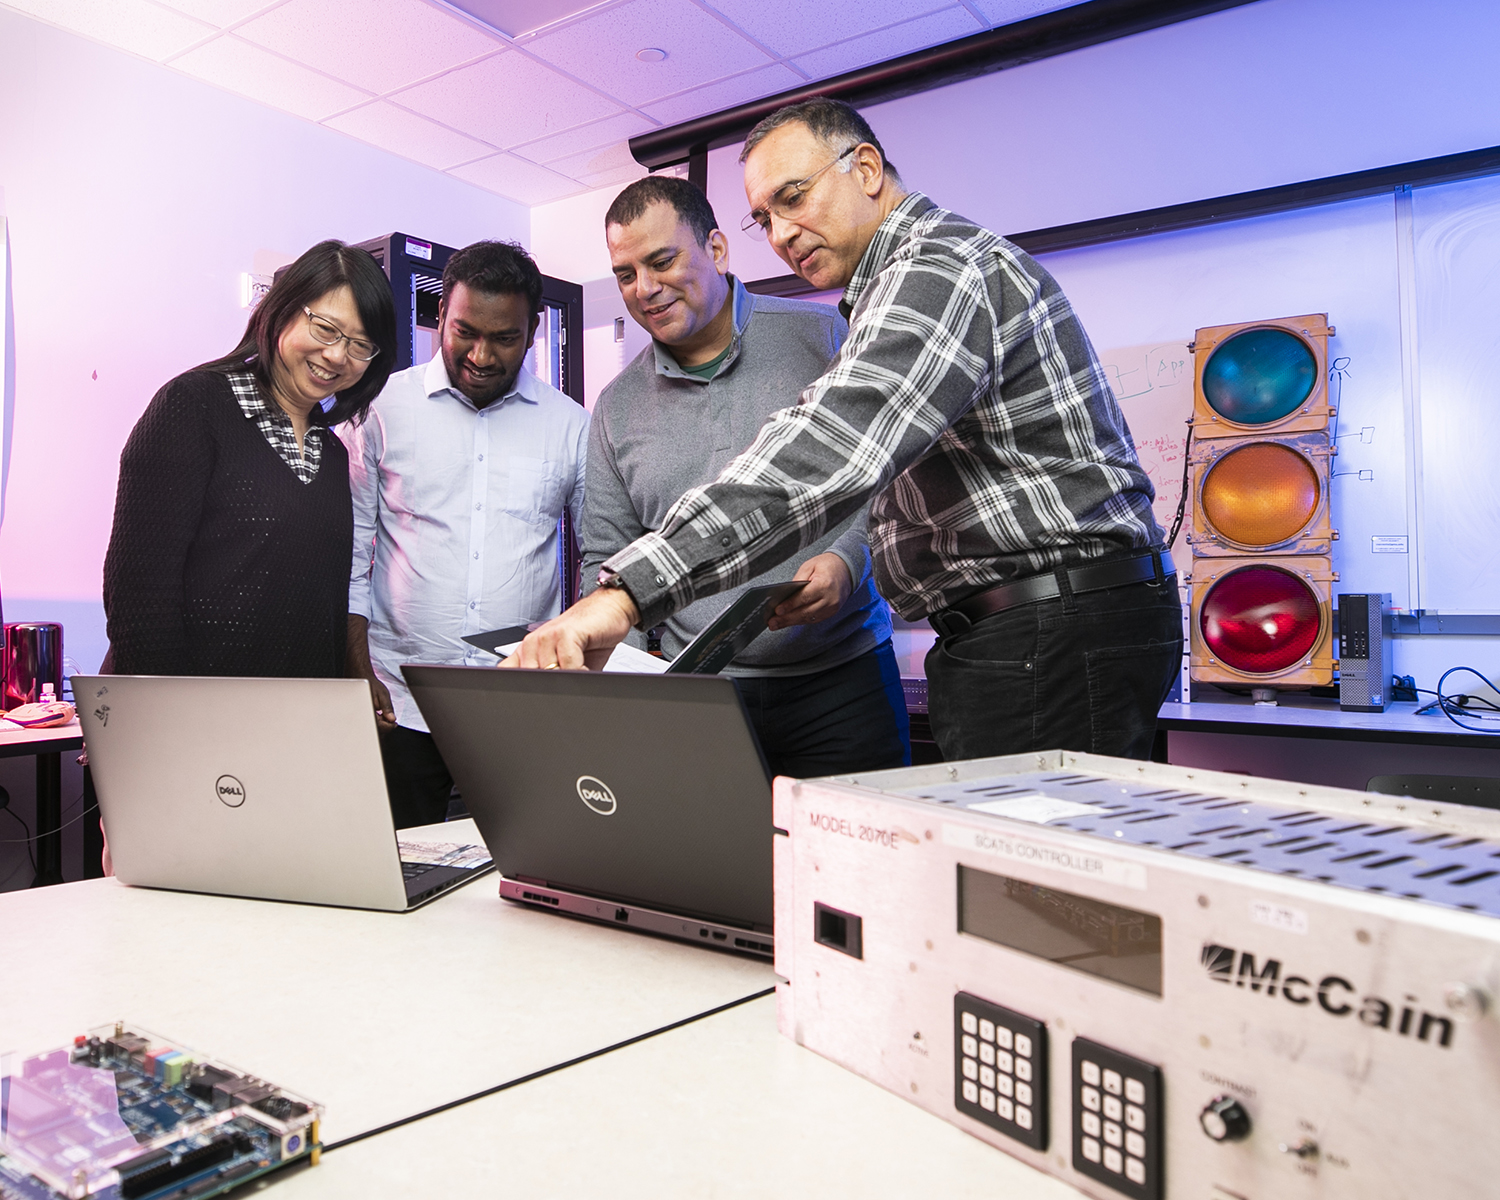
(1036, 808)
(1278, 916)
(1392, 544)
(1050, 856)
(416, 249)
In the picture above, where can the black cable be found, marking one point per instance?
(1450, 705)
(1187, 447)
(5, 804)
(572, 1062)
(59, 829)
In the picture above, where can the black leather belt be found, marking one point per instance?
(1090, 577)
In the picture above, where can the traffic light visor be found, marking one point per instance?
(1260, 376)
(1260, 620)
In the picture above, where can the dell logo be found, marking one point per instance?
(596, 795)
(229, 790)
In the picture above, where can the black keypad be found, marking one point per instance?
(1000, 1069)
(1117, 1118)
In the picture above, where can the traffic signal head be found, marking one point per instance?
(1261, 377)
(1261, 495)
(1262, 621)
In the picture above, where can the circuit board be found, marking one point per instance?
(125, 1115)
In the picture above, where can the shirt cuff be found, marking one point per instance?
(654, 576)
(359, 599)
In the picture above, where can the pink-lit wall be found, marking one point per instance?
(136, 197)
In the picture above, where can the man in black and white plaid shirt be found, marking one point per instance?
(1009, 506)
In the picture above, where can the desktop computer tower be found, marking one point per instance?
(1365, 627)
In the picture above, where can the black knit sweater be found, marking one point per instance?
(221, 561)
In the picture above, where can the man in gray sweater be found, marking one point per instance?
(822, 687)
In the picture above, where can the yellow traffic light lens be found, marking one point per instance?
(1260, 376)
(1261, 494)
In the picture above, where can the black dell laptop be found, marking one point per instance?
(637, 800)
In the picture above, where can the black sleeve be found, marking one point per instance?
(164, 476)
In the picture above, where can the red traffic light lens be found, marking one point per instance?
(1261, 494)
(1260, 620)
(1260, 376)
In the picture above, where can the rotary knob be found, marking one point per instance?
(1225, 1120)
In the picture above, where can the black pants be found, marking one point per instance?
(849, 718)
(415, 776)
(1086, 671)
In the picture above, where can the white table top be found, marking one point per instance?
(33, 741)
(724, 1107)
(1300, 716)
(376, 1015)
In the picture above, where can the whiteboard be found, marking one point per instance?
(1456, 231)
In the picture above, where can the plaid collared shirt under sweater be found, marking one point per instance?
(276, 427)
(967, 399)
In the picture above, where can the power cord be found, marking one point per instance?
(1187, 466)
(1455, 703)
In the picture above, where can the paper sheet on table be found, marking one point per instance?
(625, 659)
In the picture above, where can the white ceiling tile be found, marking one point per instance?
(726, 93)
(383, 124)
(507, 100)
(609, 160)
(517, 179)
(516, 17)
(134, 25)
(222, 13)
(1003, 12)
(238, 66)
(889, 43)
(601, 48)
(617, 177)
(585, 137)
(379, 45)
(785, 25)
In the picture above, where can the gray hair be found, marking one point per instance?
(834, 123)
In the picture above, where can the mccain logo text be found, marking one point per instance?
(1333, 994)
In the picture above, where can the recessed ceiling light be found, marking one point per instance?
(651, 54)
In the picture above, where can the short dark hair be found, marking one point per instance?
(687, 200)
(325, 268)
(496, 269)
(836, 124)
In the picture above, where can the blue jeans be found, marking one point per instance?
(848, 718)
(1087, 671)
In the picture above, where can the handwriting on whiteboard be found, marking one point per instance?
(1154, 387)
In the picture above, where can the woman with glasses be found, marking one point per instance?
(230, 548)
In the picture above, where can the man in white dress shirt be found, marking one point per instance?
(460, 474)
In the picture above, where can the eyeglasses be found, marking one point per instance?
(787, 199)
(330, 334)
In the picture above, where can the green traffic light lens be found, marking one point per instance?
(1260, 376)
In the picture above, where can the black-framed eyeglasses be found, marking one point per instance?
(787, 199)
(330, 334)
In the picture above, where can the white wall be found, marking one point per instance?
(136, 197)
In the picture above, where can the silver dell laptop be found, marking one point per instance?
(267, 788)
(637, 800)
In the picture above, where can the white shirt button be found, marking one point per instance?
(473, 603)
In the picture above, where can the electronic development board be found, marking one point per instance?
(122, 1114)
